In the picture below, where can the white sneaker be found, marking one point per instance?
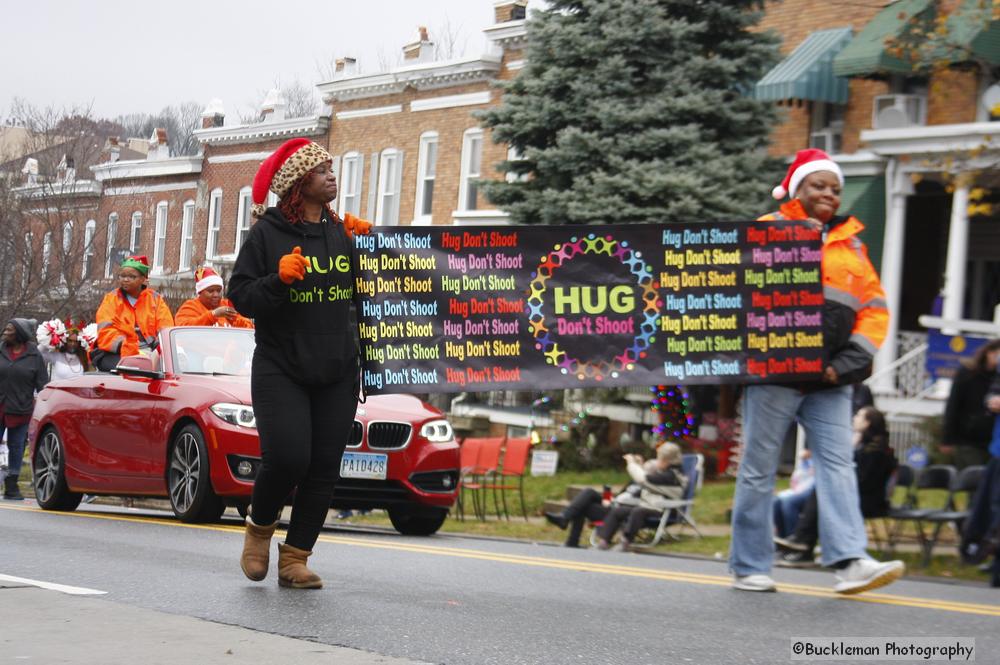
(759, 582)
(866, 574)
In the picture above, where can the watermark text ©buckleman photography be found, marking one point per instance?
(883, 648)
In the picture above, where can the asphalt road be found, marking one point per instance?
(449, 599)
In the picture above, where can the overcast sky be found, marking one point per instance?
(124, 56)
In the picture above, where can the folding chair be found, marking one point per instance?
(468, 454)
(678, 511)
(487, 459)
(902, 478)
(966, 482)
(515, 463)
(934, 477)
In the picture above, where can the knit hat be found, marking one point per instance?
(808, 161)
(204, 278)
(669, 452)
(24, 329)
(140, 263)
(293, 159)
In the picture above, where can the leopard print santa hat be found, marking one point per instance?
(293, 159)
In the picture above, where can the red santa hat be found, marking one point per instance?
(808, 161)
(293, 159)
(204, 278)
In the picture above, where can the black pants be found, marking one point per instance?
(807, 528)
(303, 431)
(585, 506)
(105, 361)
(633, 517)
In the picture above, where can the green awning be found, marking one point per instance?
(867, 52)
(864, 197)
(807, 73)
(972, 25)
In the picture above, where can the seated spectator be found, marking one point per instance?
(130, 317)
(210, 308)
(661, 480)
(788, 503)
(874, 462)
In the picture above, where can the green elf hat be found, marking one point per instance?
(140, 263)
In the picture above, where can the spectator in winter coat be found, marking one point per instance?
(968, 424)
(209, 308)
(22, 374)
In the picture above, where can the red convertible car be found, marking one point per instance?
(180, 425)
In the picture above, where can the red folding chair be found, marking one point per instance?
(515, 463)
(487, 458)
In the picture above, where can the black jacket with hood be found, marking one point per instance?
(20, 379)
(304, 329)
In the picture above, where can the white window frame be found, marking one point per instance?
(89, 231)
(187, 237)
(470, 139)
(160, 237)
(112, 235)
(272, 199)
(135, 233)
(426, 177)
(67, 237)
(390, 182)
(214, 224)
(352, 166)
(46, 255)
(514, 155)
(244, 214)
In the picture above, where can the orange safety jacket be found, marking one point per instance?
(194, 313)
(117, 320)
(855, 315)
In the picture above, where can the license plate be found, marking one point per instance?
(364, 465)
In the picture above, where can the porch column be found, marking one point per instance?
(897, 188)
(958, 245)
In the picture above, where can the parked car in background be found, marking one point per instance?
(180, 425)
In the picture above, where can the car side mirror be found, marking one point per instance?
(137, 366)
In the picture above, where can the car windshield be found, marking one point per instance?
(227, 351)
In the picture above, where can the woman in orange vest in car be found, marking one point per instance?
(129, 317)
(209, 308)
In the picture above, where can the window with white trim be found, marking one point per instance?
(389, 183)
(187, 237)
(214, 224)
(160, 237)
(110, 245)
(89, 231)
(272, 199)
(472, 158)
(514, 155)
(244, 214)
(46, 254)
(67, 237)
(350, 193)
(426, 174)
(135, 237)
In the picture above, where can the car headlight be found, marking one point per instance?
(437, 431)
(236, 414)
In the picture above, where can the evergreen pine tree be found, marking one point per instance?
(638, 111)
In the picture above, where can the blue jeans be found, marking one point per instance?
(826, 417)
(15, 444)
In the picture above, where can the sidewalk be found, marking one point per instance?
(86, 630)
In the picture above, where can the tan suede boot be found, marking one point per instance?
(292, 570)
(257, 550)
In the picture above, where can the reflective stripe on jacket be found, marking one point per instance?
(117, 320)
(855, 316)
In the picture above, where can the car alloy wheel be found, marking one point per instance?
(51, 491)
(191, 494)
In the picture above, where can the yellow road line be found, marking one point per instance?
(561, 564)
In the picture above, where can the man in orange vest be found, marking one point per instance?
(210, 308)
(130, 317)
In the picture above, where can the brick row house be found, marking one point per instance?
(408, 151)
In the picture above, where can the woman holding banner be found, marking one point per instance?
(855, 320)
(305, 378)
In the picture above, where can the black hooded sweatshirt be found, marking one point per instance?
(304, 329)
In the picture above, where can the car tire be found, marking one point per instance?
(188, 481)
(417, 522)
(49, 474)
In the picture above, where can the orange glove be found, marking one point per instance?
(292, 267)
(354, 225)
